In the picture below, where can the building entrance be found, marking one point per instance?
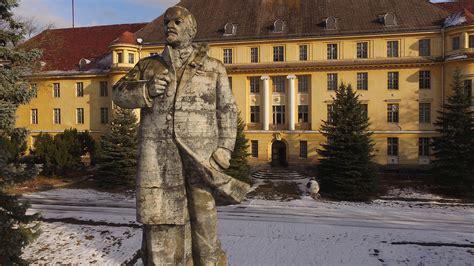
(279, 154)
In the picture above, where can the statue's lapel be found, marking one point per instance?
(195, 61)
(167, 58)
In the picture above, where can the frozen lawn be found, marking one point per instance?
(88, 227)
(62, 243)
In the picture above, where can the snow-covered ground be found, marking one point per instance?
(88, 227)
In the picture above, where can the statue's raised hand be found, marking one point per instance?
(157, 85)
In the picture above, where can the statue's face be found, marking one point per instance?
(179, 28)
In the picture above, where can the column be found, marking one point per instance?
(266, 102)
(291, 101)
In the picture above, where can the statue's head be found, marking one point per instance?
(180, 27)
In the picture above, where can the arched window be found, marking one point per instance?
(278, 25)
(389, 19)
(230, 29)
(331, 23)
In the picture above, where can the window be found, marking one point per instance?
(79, 89)
(425, 80)
(392, 113)
(279, 84)
(254, 114)
(392, 49)
(56, 90)
(456, 43)
(303, 52)
(153, 54)
(34, 87)
(255, 85)
(331, 23)
(392, 146)
(303, 114)
(332, 51)
(254, 148)
(330, 109)
(471, 41)
(57, 116)
(34, 116)
(131, 58)
(104, 89)
(362, 50)
(425, 47)
(278, 26)
(365, 110)
(363, 81)
(303, 84)
(278, 114)
(228, 56)
(80, 115)
(230, 29)
(278, 53)
(303, 149)
(468, 89)
(425, 112)
(424, 147)
(332, 81)
(392, 80)
(230, 82)
(119, 57)
(104, 115)
(390, 19)
(254, 55)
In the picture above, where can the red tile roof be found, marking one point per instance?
(126, 38)
(63, 48)
(455, 7)
(469, 15)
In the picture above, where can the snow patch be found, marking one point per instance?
(63, 244)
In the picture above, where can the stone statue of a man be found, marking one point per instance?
(187, 133)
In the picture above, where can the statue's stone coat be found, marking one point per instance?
(187, 124)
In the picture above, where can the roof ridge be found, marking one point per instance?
(101, 26)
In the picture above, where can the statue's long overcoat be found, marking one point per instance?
(196, 115)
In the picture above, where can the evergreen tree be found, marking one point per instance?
(346, 171)
(117, 158)
(15, 63)
(454, 148)
(62, 152)
(239, 167)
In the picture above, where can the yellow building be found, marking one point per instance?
(286, 57)
(74, 86)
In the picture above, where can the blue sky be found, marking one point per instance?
(91, 12)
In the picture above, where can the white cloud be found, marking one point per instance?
(41, 13)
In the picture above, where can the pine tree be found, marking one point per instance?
(239, 167)
(15, 63)
(117, 159)
(454, 148)
(346, 170)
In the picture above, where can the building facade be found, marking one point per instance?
(285, 59)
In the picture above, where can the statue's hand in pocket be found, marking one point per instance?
(221, 158)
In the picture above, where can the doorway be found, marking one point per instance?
(279, 153)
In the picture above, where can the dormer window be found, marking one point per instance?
(83, 63)
(279, 26)
(389, 19)
(331, 23)
(230, 29)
